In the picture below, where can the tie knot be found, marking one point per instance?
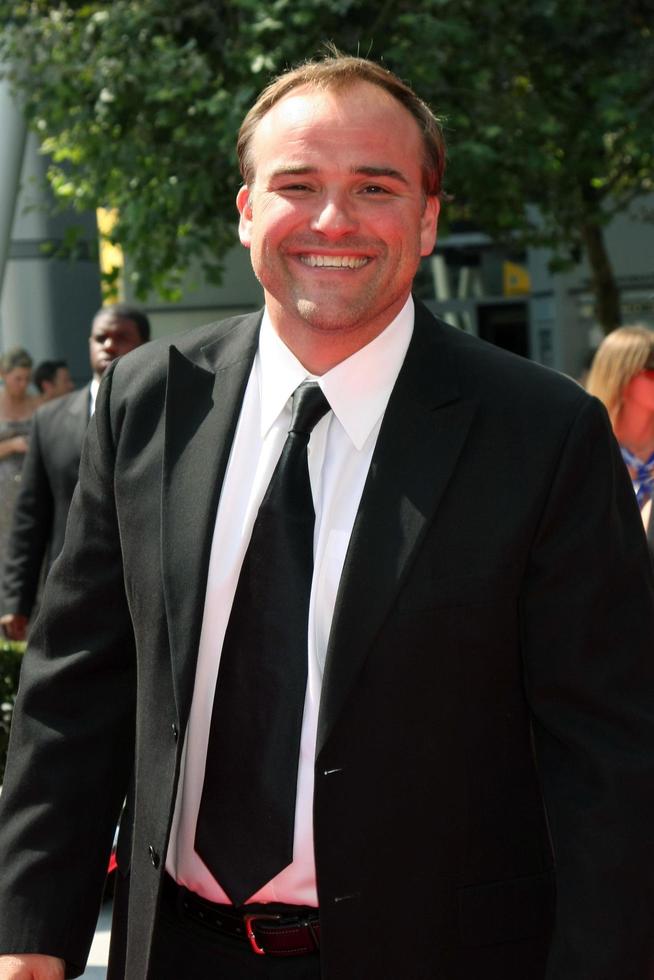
(309, 406)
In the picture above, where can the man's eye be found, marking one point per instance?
(374, 189)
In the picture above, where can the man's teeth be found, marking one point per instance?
(334, 261)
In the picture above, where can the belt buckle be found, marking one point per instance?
(248, 919)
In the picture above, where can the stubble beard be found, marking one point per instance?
(327, 314)
(361, 313)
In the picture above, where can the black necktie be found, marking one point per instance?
(247, 812)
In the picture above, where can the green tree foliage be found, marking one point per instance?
(547, 103)
(11, 655)
(550, 105)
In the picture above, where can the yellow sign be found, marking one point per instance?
(111, 256)
(516, 279)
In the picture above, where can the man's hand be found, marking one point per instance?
(14, 625)
(31, 966)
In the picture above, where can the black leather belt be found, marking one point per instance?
(281, 931)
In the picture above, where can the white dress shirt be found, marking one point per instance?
(93, 394)
(340, 450)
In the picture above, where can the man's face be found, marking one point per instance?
(110, 337)
(61, 384)
(336, 219)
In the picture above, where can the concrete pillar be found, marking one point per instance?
(48, 302)
(12, 144)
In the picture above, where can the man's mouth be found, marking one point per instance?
(334, 261)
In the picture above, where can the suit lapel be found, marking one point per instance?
(203, 401)
(423, 432)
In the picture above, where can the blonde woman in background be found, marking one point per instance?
(622, 376)
(17, 406)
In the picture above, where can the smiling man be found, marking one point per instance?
(337, 216)
(356, 611)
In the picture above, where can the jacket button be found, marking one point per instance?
(175, 731)
(154, 856)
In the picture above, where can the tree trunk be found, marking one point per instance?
(605, 287)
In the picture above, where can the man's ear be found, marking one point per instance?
(244, 205)
(429, 225)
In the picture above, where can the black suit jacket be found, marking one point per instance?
(49, 477)
(484, 795)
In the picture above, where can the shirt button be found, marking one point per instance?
(154, 856)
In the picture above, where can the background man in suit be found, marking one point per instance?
(473, 770)
(52, 378)
(51, 467)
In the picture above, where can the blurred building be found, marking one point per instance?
(513, 299)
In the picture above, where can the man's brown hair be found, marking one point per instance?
(338, 71)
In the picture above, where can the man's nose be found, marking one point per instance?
(335, 217)
(110, 347)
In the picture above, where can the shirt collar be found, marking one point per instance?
(357, 389)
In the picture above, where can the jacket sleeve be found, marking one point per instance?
(30, 531)
(588, 643)
(72, 732)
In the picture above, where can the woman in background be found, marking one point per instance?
(622, 376)
(16, 409)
